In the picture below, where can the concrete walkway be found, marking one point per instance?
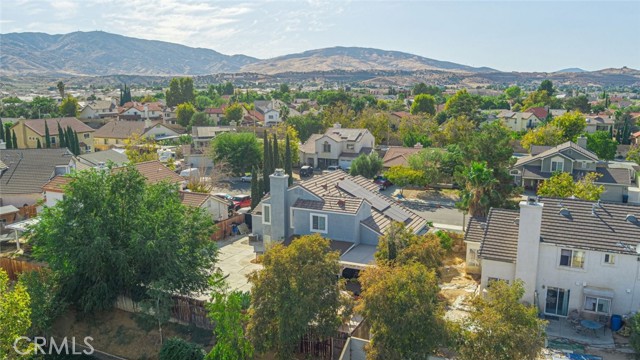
(235, 261)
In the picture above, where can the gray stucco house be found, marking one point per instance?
(349, 210)
(530, 171)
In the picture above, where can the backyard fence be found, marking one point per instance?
(15, 267)
(224, 227)
(184, 310)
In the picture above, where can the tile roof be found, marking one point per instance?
(559, 149)
(210, 131)
(122, 129)
(309, 146)
(101, 105)
(347, 134)
(193, 199)
(37, 125)
(331, 203)
(57, 183)
(500, 239)
(620, 176)
(328, 185)
(398, 156)
(475, 229)
(154, 171)
(539, 149)
(95, 158)
(539, 112)
(29, 169)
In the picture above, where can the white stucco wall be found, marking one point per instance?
(496, 269)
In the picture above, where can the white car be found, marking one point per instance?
(246, 178)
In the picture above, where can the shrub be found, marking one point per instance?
(634, 339)
(445, 240)
(179, 349)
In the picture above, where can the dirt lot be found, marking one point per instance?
(432, 194)
(127, 335)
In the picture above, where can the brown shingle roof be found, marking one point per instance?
(500, 240)
(193, 199)
(57, 184)
(37, 125)
(398, 156)
(121, 129)
(331, 203)
(154, 171)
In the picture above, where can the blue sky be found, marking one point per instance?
(505, 35)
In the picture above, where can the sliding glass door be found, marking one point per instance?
(557, 302)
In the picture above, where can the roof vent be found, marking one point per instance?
(516, 221)
(565, 212)
(483, 226)
(341, 203)
(593, 209)
(632, 219)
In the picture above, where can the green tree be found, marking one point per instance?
(267, 166)
(240, 150)
(624, 124)
(397, 300)
(179, 349)
(572, 124)
(233, 112)
(180, 91)
(547, 85)
(602, 144)
(457, 130)
(7, 135)
(306, 125)
(228, 311)
(296, 292)
(288, 163)
(125, 95)
(579, 103)
(69, 106)
(562, 185)
(38, 144)
(478, 190)
(15, 317)
(2, 137)
(366, 165)
(60, 86)
(47, 136)
(399, 245)
(436, 164)
(423, 104)
(276, 162)
(547, 135)
(464, 104)
(539, 98)
(140, 149)
(500, 327)
(200, 119)
(256, 196)
(14, 139)
(62, 140)
(634, 338)
(43, 105)
(423, 88)
(513, 92)
(403, 176)
(97, 258)
(184, 113)
(46, 301)
(203, 102)
(634, 154)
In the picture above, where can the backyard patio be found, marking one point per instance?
(564, 329)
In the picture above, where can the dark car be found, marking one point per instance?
(241, 201)
(382, 182)
(306, 171)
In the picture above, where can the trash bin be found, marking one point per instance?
(616, 322)
(625, 199)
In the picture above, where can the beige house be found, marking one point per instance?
(336, 147)
(28, 132)
(114, 133)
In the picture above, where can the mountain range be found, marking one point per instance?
(100, 53)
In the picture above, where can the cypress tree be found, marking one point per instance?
(255, 195)
(76, 141)
(38, 145)
(14, 139)
(276, 157)
(68, 139)
(7, 138)
(266, 166)
(62, 141)
(288, 166)
(1, 131)
(47, 135)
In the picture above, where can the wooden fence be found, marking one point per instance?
(15, 267)
(224, 227)
(184, 310)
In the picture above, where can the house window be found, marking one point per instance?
(492, 280)
(609, 259)
(557, 165)
(319, 223)
(326, 147)
(351, 146)
(86, 135)
(270, 117)
(473, 257)
(597, 305)
(266, 214)
(53, 140)
(572, 258)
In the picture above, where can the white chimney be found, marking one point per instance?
(337, 126)
(418, 146)
(279, 181)
(528, 251)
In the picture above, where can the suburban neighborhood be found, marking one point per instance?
(342, 203)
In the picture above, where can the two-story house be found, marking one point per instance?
(202, 135)
(29, 132)
(137, 111)
(598, 123)
(268, 111)
(518, 121)
(349, 210)
(570, 254)
(531, 170)
(98, 109)
(337, 146)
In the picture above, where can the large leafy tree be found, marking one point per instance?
(397, 300)
(403, 176)
(60, 86)
(97, 258)
(69, 106)
(297, 292)
(437, 164)
(464, 104)
(184, 113)
(180, 91)
(624, 124)
(423, 104)
(46, 301)
(579, 103)
(200, 119)
(233, 112)
(548, 135)
(306, 125)
(15, 317)
(500, 327)
(602, 144)
(478, 190)
(547, 85)
(562, 185)
(366, 165)
(228, 311)
(572, 124)
(513, 92)
(456, 130)
(634, 154)
(399, 245)
(240, 150)
(140, 149)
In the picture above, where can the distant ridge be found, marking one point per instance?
(571, 70)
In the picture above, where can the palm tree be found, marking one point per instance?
(479, 188)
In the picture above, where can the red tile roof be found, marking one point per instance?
(57, 183)
(540, 112)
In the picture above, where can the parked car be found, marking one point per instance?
(231, 204)
(241, 201)
(382, 182)
(333, 167)
(190, 173)
(246, 178)
(306, 171)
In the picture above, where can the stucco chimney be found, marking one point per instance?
(528, 246)
(279, 182)
(146, 111)
(337, 126)
(417, 146)
(582, 141)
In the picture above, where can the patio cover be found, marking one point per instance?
(21, 226)
(598, 292)
(359, 257)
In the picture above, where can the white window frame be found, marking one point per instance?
(571, 259)
(264, 211)
(326, 145)
(598, 300)
(561, 169)
(609, 259)
(291, 225)
(326, 223)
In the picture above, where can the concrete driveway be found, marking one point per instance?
(235, 261)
